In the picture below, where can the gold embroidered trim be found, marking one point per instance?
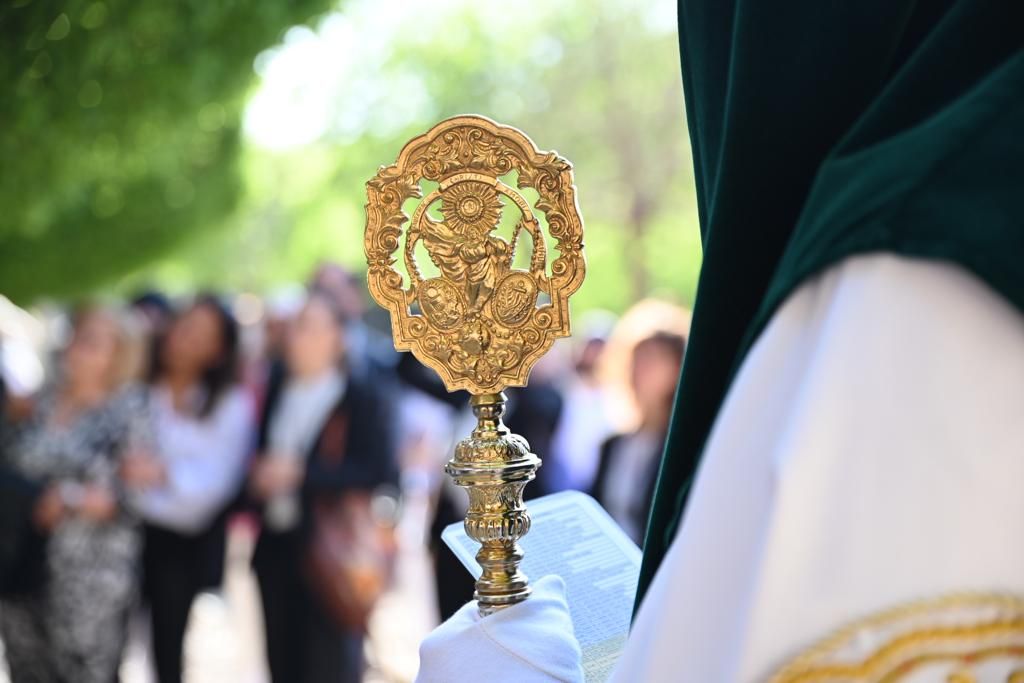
(956, 633)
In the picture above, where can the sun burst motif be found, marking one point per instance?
(471, 208)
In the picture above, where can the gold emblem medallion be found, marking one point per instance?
(481, 324)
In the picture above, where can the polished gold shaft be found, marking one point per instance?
(494, 466)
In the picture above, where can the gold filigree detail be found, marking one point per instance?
(472, 209)
(481, 324)
(948, 639)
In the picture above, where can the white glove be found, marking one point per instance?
(532, 642)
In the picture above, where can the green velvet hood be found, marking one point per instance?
(825, 129)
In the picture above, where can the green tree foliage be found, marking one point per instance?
(119, 130)
(101, 189)
(597, 80)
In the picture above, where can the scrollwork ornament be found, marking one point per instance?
(480, 322)
(479, 301)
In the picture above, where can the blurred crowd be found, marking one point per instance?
(134, 438)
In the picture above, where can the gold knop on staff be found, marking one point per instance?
(481, 323)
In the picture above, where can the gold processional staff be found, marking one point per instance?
(480, 323)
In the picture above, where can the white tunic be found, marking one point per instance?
(869, 453)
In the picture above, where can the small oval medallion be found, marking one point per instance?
(441, 303)
(514, 298)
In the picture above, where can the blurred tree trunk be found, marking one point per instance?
(648, 166)
(636, 246)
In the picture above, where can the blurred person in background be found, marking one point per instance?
(534, 412)
(23, 508)
(367, 349)
(628, 466)
(62, 454)
(325, 433)
(26, 515)
(156, 313)
(202, 428)
(22, 336)
(424, 400)
(265, 342)
(584, 421)
(282, 305)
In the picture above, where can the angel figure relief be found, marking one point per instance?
(478, 288)
(481, 322)
(465, 249)
(463, 245)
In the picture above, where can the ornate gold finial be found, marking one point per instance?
(480, 322)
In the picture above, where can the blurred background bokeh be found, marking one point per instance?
(171, 148)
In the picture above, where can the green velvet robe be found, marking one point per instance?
(825, 129)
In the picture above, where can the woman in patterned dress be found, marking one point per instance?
(72, 627)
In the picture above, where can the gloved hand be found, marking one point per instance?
(532, 642)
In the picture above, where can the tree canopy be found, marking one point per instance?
(163, 155)
(119, 130)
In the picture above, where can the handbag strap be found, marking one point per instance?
(333, 440)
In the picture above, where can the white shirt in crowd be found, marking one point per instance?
(205, 460)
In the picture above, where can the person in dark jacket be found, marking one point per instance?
(628, 465)
(534, 413)
(20, 498)
(325, 431)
